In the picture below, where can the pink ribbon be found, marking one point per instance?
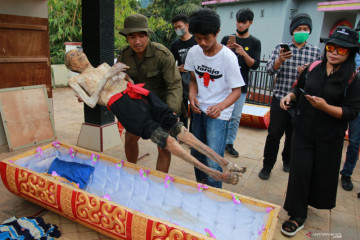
(107, 197)
(56, 144)
(119, 165)
(262, 229)
(39, 152)
(236, 199)
(144, 174)
(72, 152)
(168, 179)
(94, 157)
(201, 187)
(209, 233)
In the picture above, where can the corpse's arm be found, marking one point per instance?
(79, 91)
(93, 99)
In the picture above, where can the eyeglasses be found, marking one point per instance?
(340, 50)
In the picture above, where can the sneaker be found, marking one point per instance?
(286, 167)
(230, 149)
(346, 183)
(264, 174)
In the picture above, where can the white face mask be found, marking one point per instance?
(180, 32)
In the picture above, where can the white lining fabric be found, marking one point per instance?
(179, 204)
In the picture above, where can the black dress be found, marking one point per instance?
(317, 140)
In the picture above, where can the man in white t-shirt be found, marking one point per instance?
(214, 87)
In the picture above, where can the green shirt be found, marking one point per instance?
(157, 69)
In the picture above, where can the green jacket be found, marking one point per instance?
(157, 69)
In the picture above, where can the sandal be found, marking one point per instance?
(292, 226)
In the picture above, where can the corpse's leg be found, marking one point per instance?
(164, 140)
(185, 136)
(227, 177)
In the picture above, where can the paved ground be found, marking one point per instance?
(341, 222)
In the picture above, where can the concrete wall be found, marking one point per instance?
(310, 7)
(60, 75)
(267, 25)
(29, 8)
(272, 20)
(332, 18)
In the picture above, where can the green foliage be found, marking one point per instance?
(186, 9)
(163, 31)
(169, 8)
(123, 8)
(160, 13)
(65, 23)
(64, 26)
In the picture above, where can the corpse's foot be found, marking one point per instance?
(185, 136)
(227, 177)
(232, 177)
(233, 167)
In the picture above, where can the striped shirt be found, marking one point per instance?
(287, 74)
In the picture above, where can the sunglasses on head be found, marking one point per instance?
(340, 50)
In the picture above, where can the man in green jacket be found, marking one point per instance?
(153, 64)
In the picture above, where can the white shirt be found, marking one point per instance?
(215, 77)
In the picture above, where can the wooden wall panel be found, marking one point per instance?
(25, 74)
(24, 52)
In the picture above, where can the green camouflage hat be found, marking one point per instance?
(136, 23)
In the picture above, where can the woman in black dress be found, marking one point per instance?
(327, 96)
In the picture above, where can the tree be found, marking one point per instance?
(160, 13)
(65, 21)
(123, 8)
(64, 26)
(187, 8)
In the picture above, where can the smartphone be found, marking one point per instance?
(303, 91)
(232, 39)
(289, 104)
(285, 47)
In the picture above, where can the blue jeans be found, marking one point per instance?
(211, 132)
(352, 152)
(235, 119)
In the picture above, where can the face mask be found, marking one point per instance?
(180, 32)
(301, 37)
(243, 32)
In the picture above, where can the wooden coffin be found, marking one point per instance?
(127, 201)
(255, 116)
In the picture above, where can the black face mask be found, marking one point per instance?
(243, 32)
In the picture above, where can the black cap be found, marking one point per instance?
(300, 19)
(343, 36)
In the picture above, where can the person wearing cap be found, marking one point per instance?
(247, 49)
(352, 152)
(153, 64)
(327, 95)
(287, 66)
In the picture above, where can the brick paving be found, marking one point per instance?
(341, 222)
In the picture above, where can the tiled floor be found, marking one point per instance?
(342, 222)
